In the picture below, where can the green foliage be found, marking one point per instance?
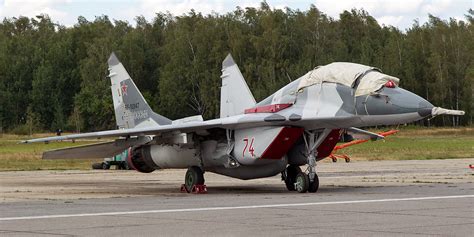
(56, 75)
(31, 126)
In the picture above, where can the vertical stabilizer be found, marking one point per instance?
(235, 94)
(131, 109)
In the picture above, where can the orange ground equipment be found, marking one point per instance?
(334, 156)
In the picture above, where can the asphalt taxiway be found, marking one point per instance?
(389, 198)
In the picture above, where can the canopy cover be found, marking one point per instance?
(370, 79)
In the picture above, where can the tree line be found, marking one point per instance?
(53, 76)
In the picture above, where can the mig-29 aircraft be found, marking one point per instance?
(297, 125)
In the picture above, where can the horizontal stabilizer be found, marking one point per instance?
(98, 150)
(358, 133)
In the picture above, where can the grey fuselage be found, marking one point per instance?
(308, 106)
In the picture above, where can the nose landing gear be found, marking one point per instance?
(297, 180)
(294, 178)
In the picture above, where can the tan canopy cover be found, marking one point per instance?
(371, 79)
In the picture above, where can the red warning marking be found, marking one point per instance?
(268, 108)
(246, 140)
(251, 149)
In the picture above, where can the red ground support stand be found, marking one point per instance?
(334, 156)
(197, 189)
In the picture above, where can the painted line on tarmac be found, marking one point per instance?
(231, 208)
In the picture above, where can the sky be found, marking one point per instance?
(399, 13)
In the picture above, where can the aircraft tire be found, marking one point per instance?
(290, 176)
(302, 182)
(314, 186)
(194, 176)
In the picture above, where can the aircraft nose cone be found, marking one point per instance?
(394, 101)
(407, 101)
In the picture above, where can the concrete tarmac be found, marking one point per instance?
(355, 199)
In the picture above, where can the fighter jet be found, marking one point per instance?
(296, 126)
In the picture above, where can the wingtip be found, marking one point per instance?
(113, 60)
(228, 61)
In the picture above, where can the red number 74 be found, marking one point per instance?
(250, 148)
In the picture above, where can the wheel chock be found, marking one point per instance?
(183, 189)
(199, 189)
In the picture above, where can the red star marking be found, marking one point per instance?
(124, 89)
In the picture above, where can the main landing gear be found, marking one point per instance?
(194, 181)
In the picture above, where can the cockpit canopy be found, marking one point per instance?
(363, 79)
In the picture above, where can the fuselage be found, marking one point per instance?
(250, 153)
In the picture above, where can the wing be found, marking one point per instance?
(234, 122)
(99, 150)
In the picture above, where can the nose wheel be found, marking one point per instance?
(289, 176)
(297, 180)
(313, 185)
(302, 182)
